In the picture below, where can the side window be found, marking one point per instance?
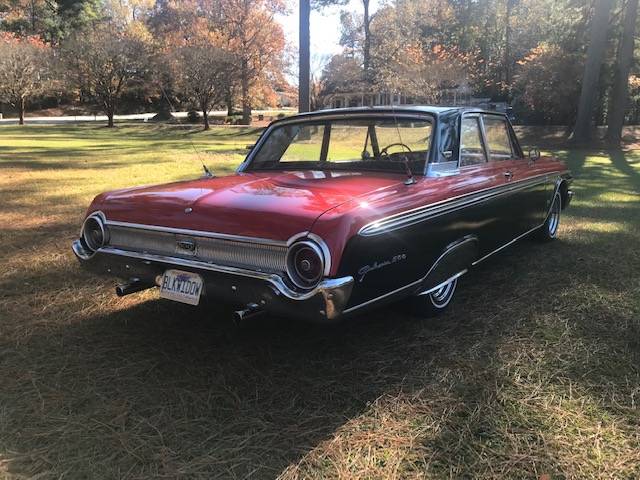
(498, 141)
(305, 145)
(471, 148)
(347, 143)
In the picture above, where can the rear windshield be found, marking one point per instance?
(346, 144)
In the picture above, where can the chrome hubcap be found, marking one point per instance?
(554, 217)
(443, 295)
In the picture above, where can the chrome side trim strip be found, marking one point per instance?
(198, 233)
(275, 280)
(381, 297)
(419, 214)
(507, 244)
(555, 192)
(451, 279)
(420, 280)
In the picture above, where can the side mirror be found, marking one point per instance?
(534, 154)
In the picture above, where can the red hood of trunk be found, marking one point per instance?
(273, 205)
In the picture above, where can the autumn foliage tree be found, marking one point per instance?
(103, 63)
(24, 67)
(258, 42)
(554, 100)
(247, 29)
(202, 70)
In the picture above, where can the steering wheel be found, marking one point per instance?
(385, 152)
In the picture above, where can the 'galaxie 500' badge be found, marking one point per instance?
(362, 272)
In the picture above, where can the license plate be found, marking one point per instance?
(180, 286)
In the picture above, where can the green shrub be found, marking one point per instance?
(193, 116)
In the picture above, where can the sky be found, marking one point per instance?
(325, 29)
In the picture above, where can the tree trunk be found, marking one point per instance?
(620, 91)
(110, 113)
(304, 66)
(507, 48)
(21, 109)
(246, 102)
(205, 116)
(367, 43)
(228, 100)
(164, 109)
(583, 128)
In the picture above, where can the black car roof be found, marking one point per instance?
(428, 109)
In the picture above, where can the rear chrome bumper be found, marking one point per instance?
(235, 285)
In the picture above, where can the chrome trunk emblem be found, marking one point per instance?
(187, 246)
(188, 210)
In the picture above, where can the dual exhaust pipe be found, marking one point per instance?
(251, 310)
(136, 285)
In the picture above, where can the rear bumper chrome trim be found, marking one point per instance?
(326, 301)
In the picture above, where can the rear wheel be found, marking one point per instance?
(549, 231)
(435, 302)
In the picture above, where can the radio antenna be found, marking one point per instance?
(405, 161)
(207, 172)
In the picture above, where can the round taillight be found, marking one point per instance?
(305, 264)
(93, 233)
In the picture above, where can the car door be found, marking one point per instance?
(525, 188)
(486, 218)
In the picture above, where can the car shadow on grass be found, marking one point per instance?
(161, 389)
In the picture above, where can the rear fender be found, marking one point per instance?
(454, 261)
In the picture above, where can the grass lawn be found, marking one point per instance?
(533, 373)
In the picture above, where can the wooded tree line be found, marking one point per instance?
(569, 62)
(162, 54)
(532, 54)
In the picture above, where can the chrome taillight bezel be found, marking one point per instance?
(94, 221)
(294, 271)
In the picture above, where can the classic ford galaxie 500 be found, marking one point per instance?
(334, 212)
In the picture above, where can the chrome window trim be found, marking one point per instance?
(484, 133)
(344, 116)
(419, 214)
(483, 140)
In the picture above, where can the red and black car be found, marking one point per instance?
(334, 212)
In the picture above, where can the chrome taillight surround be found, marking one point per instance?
(93, 233)
(305, 264)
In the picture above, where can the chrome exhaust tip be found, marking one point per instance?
(240, 316)
(134, 285)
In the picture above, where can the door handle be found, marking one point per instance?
(508, 174)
